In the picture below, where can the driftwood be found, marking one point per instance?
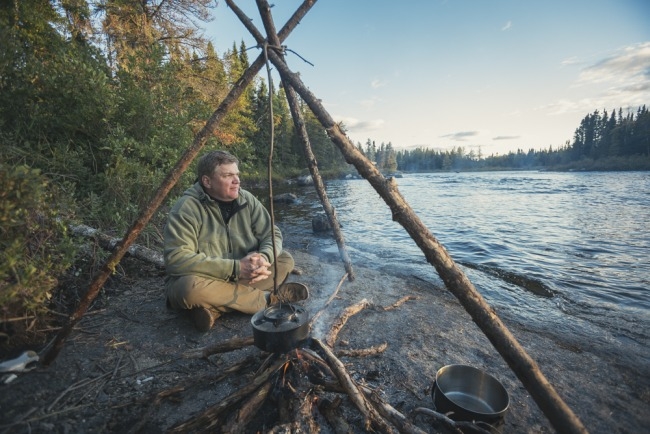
(364, 352)
(400, 302)
(168, 183)
(559, 414)
(330, 339)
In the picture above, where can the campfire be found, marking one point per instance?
(304, 389)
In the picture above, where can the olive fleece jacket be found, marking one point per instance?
(198, 242)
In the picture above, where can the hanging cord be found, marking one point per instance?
(270, 170)
(281, 48)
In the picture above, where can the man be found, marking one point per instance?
(218, 247)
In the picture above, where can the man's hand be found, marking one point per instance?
(254, 267)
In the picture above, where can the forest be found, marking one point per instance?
(616, 141)
(99, 99)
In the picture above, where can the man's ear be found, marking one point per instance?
(205, 181)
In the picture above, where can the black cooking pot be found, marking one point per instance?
(280, 327)
(469, 394)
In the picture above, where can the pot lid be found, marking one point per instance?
(280, 317)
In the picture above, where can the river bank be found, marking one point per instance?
(129, 348)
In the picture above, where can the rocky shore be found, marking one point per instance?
(129, 348)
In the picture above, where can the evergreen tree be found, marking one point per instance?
(55, 93)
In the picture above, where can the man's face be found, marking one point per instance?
(224, 182)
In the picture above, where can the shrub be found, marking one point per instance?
(35, 248)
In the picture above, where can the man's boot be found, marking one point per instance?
(204, 318)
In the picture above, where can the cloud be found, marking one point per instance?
(356, 125)
(507, 26)
(506, 137)
(564, 106)
(460, 136)
(631, 64)
(621, 79)
(570, 61)
(369, 102)
(377, 83)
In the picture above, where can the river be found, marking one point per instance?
(560, 251)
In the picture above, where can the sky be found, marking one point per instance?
(489, 75)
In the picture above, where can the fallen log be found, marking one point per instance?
(111, 244)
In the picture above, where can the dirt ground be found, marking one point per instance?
(129, 347)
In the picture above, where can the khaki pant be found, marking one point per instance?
(187, 292)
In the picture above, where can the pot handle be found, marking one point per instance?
(433, 396)
(491, 428)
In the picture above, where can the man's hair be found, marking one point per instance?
(209, 162)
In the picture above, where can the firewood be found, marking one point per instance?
(390, 413)
(295, 398)
(452, 425)
(144, 419)
(235, 343)
(285, 428)
(349, 311)
(247, 410)
(329, 409)
(373, 418)
(318, 371)
(304, 414)
(212, 416)
(363, 352)
(171, 393)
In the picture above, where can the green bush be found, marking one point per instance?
(35, 248)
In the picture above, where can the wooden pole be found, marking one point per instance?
(299, 123)
(168, 183)
(559, 414)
